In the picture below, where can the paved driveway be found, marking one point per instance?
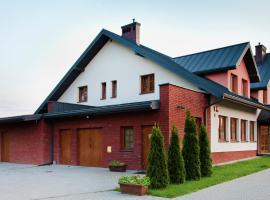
(24, 182)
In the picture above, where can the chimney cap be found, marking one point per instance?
(133, 22)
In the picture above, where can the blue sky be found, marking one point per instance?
(40, 40)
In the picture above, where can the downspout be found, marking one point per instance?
(208, 106)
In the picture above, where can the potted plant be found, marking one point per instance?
(136, 185)
(117, 166)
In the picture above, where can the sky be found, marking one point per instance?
(41, 40)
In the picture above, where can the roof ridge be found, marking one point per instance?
(205, 51)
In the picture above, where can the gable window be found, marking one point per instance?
(233, 129)
(103, 90)
(222, 133)
(127, 138)
(244, 87)
(252, 131)
(114, 89)
(147, 83)
(234, 83)
(243, 130)
(83, 94)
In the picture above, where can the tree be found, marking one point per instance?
(191, 149)
(157, 169)
(205, 155)
(176, 166)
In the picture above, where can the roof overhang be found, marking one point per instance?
(22, 118)
(103, 110)
(245, 102)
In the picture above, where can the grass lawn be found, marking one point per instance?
(220, 174)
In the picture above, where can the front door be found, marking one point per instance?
(264, 139)
(65, 147)
(4, 147)
(90, 147)
(146, 131)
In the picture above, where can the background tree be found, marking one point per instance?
(205, 155)
(157, 169)
(176, 166)
(191, 149)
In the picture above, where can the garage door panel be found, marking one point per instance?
(90, 147)
(65, 147)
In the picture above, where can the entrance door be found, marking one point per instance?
(146, 131)
(90, 147)
(65, 147)
(264, 139)
(4, 147)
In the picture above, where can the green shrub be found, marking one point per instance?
(116, 163)
(191, 149)
(205, 154)
(145, 181)
(157, 169)
(176, 166)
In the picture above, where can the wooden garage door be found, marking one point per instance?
(90, 147)
(4, 147)
(65, 146)
(146, 131)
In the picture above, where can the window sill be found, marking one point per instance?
(223, 141)
(102, 98)
(113, 97)
(126, 150)
(234, 141)
(142, 93)
(81, 101)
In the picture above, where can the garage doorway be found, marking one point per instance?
(5, 147)
(65, 147)
(90, 147)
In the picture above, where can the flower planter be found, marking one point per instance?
(121, 168)
(133, 189)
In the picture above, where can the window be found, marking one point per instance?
(265, 96)
(233, 129)
(234, 83)
(147, 83)
(127, 138)
(198, 121)
(243, 130)
(114, 89)
(252, 131)
(244, 87)
(83, 94)
(103, 90)
(222, 133)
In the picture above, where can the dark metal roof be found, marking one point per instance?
(102, 110)
(63, 107)
(264, 70)
(159, 58)
(220, 59)
(22, 118)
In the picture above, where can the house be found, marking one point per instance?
(105, 106)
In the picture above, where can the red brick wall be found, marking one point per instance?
(29, 142)
(181, 100)
(222, 157)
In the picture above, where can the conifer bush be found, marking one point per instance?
(191, 149)
(205, 154)
(176, 166)
(157, 169)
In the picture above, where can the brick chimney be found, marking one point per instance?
(132, 31)
(260, 53)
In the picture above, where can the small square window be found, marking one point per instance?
(147, 83)
(83, 94)
(127, 138)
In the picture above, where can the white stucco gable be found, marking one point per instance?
(117, 62)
